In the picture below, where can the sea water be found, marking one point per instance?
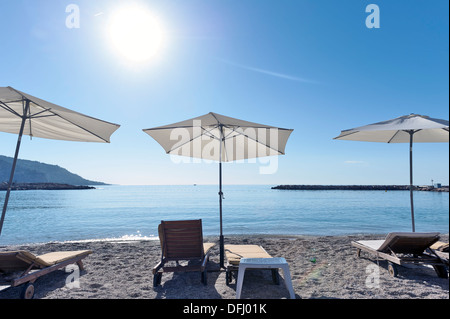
(134, 212)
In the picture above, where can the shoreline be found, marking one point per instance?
(322, 267)
(210, 238)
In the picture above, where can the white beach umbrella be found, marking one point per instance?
(405, 129)
(222, 139)
(23, 114)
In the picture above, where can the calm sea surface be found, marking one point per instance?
(134, 212)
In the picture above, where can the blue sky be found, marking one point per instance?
(311, 66)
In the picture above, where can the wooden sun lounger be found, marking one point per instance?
(234, 254)
(404, 248)
(182, 241)
(22, 267)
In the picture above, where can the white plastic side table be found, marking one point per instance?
(264, 263)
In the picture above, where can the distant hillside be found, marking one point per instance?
(36, 172)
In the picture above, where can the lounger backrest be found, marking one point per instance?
(408, 243)
(181, 239)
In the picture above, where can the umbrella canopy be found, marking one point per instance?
(24, 114)
(223, 139)
(398, 130)
(220, 138)
(47, 120)
(411, 129)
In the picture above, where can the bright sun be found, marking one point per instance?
(135, 33)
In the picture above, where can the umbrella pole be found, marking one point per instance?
(221, 239)
(411, 133)
(222, 249)
(16, 155)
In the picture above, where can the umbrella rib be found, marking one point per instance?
(57, 115)
(29, 119)
(46, 110)
(49, 110)
(13, 101)
(214, 115)
(193, 138)
(42, 116)
(92, 133)
(9, 109)
(233, 129)
(189, 126)
(264, 127)
(221, 140)
(169, 128)
(343, 134)
(212, 135)
(25, 98)
(268, 146)
(74, 124)
(393, 136)
(254, 126)
(207, 132)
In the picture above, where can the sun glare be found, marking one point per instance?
(135, 33)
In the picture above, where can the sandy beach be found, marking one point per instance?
(321, 268)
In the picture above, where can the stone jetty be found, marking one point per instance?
(41, 186)
(361, 187)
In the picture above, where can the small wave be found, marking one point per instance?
(125, 238)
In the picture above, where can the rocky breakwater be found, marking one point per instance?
(443, 189)
(361, 187)
(41, 186)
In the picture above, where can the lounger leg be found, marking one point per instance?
(157, 275)
(80, 265)
(288, 281)
(240, 281)
(275, 276)
(441, 271)
(228, 277)
(157, 279)
(204, 278)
